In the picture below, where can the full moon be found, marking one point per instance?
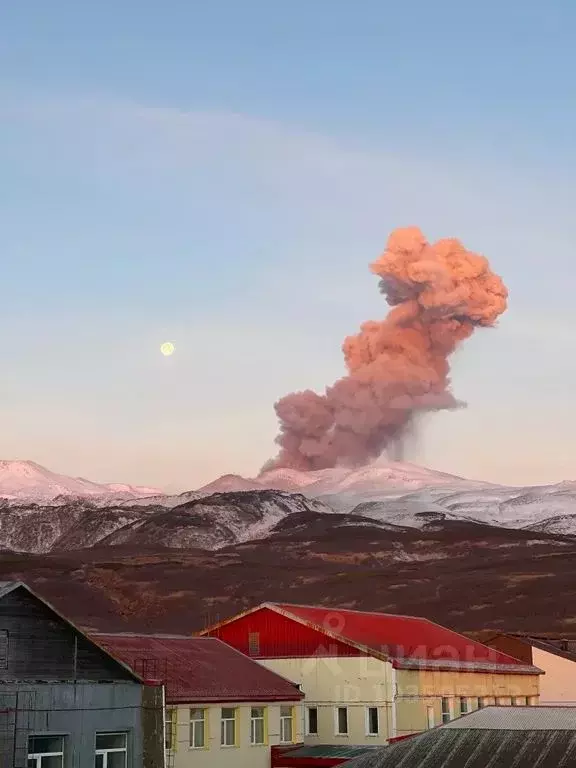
(167, 348)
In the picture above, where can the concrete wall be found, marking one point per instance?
(558, 685)
(355, 682)
(75, 710)
(244, 754)
(403, 697)
(421, 690)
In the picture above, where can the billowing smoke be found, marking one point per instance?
(397, 367)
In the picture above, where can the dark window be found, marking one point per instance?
(342, 722)
(373, 725)
(254, 643)
(45, 751)
(446, 712)
(3, 649)
(312, 721)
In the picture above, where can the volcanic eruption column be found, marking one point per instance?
(397, 367)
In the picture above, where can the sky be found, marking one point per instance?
(220, 175)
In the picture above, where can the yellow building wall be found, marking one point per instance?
(244, 754)
(354, 682)
(558, 685)
(417, 691)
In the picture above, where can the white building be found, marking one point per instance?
(223, 710)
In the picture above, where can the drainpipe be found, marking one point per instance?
(164, 726)
(394, 695)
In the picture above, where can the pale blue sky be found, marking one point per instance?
(221, 173)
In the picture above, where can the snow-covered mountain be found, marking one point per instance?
(65, 512)
(26, 480)
(210, 523)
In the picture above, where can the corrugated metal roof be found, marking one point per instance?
(329, 751)
(412, 642)
(519, 719)
(200, 669)
(451, 748)
(494, 737)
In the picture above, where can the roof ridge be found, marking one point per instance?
(350, 610)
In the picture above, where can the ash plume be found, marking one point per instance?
(397, 367)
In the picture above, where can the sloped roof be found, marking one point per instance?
(556, 644)
(6, 587)
(200, 669)
(300, 754)
(494, 737)
(410, 642)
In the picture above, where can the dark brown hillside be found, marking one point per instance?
(470, 577)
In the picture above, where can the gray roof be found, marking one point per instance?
(8, 586)
(463, 666)
(327, 751)
(494, 737)
(519, 719)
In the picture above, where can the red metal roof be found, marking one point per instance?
(199, 669)
(411, 642)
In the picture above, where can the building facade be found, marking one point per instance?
(555, 655)
(495, 737)
(223, 710)
(371, 677)
(65, 702)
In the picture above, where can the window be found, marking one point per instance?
(198, 728)
(3, 649)
(170, 729)
(254, 643)
(228, 727)
(257, 725)
(46, 752)
(463, 705)
(430, 716)
(519, 701)
(286, 725)
(342, 721)
(481, 702)
(312, 721)
(446, 714)
(111, 750)
(372, 724)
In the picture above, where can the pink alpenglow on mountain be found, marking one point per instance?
(398, 366)
(28, 480)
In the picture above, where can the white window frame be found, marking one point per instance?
(337, 731)
(37, 756)
(192, 728)
(223, 730)
(286, 719)
(258, 719)
(368, 731)
(170, 724)
(110, 750)
(446, 712)
(308, 731)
